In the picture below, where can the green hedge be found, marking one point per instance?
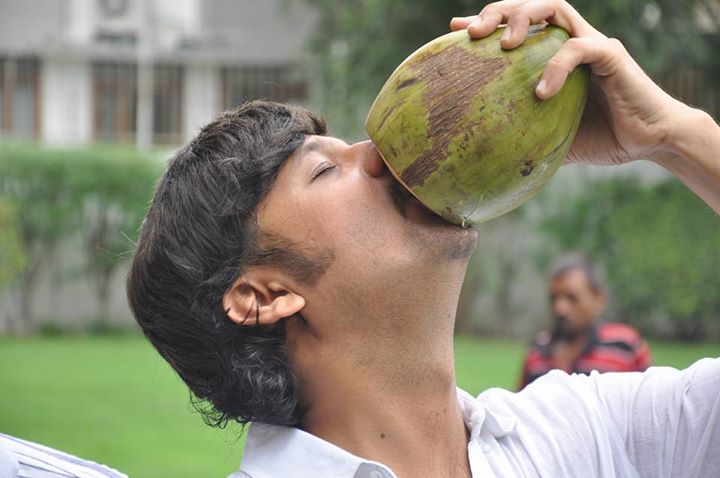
(13, 256)
(98, 194)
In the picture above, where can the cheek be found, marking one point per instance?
(358, 216)
(357, 221)
(587, 309)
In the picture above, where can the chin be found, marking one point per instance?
(449, 240)
(565, 331)
(446, 239)
(462, 244)
(415, 211)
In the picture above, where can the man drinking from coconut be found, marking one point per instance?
(292, 283)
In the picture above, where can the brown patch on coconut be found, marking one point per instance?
(447, 75)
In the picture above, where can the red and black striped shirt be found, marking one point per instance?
(611, 347)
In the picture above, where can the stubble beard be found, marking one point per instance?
(564, 330)
(451, 241)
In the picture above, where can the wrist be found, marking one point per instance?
(684, 137)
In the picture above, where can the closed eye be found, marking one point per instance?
(322, 169)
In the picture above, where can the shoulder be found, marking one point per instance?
(615, 332)
(33, 459)
(547, 412)
(8, 464)
(538, 355)
(540, 343)
(542, 339)
(554, 397)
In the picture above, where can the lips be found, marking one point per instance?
(408, 205)
(399, 196)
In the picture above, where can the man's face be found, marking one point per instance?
(575, 304)
(339, 198)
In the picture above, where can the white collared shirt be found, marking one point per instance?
(660, 423)
(25, 459)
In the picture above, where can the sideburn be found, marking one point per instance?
(305, 265)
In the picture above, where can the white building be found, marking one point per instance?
(150, 72)
(145, 71)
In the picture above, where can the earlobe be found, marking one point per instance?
(252, 303)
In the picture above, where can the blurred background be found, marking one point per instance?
(96, 94)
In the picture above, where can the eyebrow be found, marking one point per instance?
(308, 147)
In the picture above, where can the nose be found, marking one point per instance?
(370, 160)
(560, 307)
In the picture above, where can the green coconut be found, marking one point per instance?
(459, 125)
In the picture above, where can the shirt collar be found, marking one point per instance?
(273, 450)
(480, 420)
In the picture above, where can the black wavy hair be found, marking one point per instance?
(199, 233)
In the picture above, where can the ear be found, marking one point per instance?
(252, 301)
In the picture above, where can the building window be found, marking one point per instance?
(19, 105)
(116, 93)
(276, 83)
(167, 105)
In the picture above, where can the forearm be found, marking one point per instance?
(693, 155)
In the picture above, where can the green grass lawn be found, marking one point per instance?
(115, 401)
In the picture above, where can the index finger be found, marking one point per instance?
(520, 14)
(556, 12)
(485, 22)
(460, 23)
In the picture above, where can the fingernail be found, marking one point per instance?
(541, 88)
(506, 34)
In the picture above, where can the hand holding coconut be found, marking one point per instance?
(627, 117)
(460, 127)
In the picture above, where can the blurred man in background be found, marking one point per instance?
(579, 341)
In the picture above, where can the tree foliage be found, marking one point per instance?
(113, 187)
(660, 245)
(36, 186)
(659, 34)
(96, 194)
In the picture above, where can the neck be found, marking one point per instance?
(387, 392)
(415, 428)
